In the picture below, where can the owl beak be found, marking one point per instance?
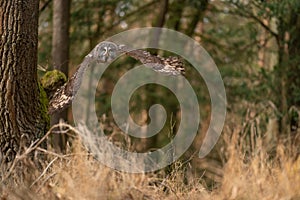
(106, 52)
(105, 56)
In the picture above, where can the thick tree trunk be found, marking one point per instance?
(60, 56)
(20, 111)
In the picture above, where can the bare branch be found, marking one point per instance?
(44, 6)
(44, 172)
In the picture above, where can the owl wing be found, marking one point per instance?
(64, 96)
(61, 99)
(169, 66)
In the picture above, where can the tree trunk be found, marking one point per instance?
(148, 143)
(288, 65)
(60, 56)
(22, 119)
(294, 52)
(160, 21)
(60, 39)
(175, 14)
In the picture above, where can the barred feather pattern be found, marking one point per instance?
(169, 66)
(106, 52)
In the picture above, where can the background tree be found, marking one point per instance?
(60, 56)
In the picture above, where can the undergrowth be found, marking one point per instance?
(42, 174)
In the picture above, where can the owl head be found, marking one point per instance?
(106, 51)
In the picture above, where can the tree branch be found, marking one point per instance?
(240, 11)
(44, 6)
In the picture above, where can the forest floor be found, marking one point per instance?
(77, 175)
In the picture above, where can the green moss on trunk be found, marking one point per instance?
(52, 80)
(44, 101)
(48, 85)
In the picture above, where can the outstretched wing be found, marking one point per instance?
(169, 66)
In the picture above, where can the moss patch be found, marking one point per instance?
(52, 80)
(44, 101)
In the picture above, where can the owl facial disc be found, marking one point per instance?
(106, 51)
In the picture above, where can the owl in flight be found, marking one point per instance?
(107, 52)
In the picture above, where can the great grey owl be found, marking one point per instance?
(107, 52)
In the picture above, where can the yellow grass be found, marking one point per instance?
(77, 175)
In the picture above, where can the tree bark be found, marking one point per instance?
(60, 56)
(21, 117)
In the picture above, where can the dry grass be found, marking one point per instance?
(77, 175)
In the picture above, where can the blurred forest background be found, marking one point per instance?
(256, 46)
